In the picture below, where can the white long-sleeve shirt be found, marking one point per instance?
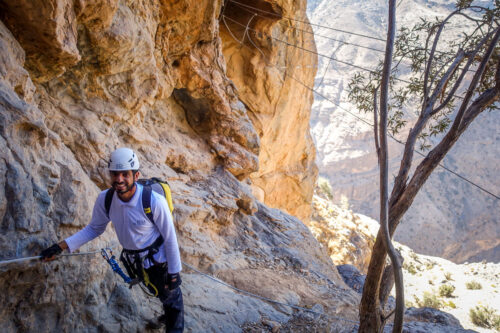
(133, 228)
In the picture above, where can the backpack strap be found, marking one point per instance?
(108, 199)
(146, 202)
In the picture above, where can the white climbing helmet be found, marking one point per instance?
(123, 159)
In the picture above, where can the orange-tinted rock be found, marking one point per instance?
(271, 78)
(47, 32)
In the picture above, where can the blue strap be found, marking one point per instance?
(116, 268)
(114, 265)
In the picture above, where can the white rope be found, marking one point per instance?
(15, 260)
(11, 261)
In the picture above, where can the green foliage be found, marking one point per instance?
(325, 187)
(430, 265)
(450, 304)
(410, 268)
(463, 3)
(413, 48)
(446, 290)
(429, 300)
(473, 285)
(484, 316)
(414, 256)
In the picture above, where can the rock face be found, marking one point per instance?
(449, 218)
(352, 277)
(81, 78)
(348, 237)
(265, 70)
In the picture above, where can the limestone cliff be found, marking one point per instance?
(81, 78)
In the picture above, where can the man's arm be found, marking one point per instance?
(95, 228)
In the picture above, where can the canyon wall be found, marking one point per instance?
(201, 109)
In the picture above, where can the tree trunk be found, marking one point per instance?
(388, 282)
(374, 322)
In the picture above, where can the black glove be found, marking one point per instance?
(173, 281)
(50, 252)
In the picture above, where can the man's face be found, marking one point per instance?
(123, 181)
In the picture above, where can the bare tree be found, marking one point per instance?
(439, 71)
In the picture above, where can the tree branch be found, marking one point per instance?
(462, 74)
(475, 79)
(442, 83)
(434, 45)
(400, 183)
(431, 161)
(401, 204)
(375, 123)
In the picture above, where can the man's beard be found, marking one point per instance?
(128, 188)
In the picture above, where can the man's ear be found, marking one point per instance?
(137, 175)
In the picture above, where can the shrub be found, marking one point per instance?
(325, 187)
(447, 276)
(446, 290)
(429, 300)
(430, 265)
(484, 316)
(410, 268)
(473, 285)
(450, 304)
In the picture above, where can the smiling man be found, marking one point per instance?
(150, 250)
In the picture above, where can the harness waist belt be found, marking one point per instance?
(157, 243)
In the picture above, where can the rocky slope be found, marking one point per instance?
(348, 237)
(431, 284)
(81, 78)
(449, 218)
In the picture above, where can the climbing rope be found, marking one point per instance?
(11, 261)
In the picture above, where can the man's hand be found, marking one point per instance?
(50, 253)
(173, 281)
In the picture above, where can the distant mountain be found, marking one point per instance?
(449, 218)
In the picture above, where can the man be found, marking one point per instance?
(150, 246)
